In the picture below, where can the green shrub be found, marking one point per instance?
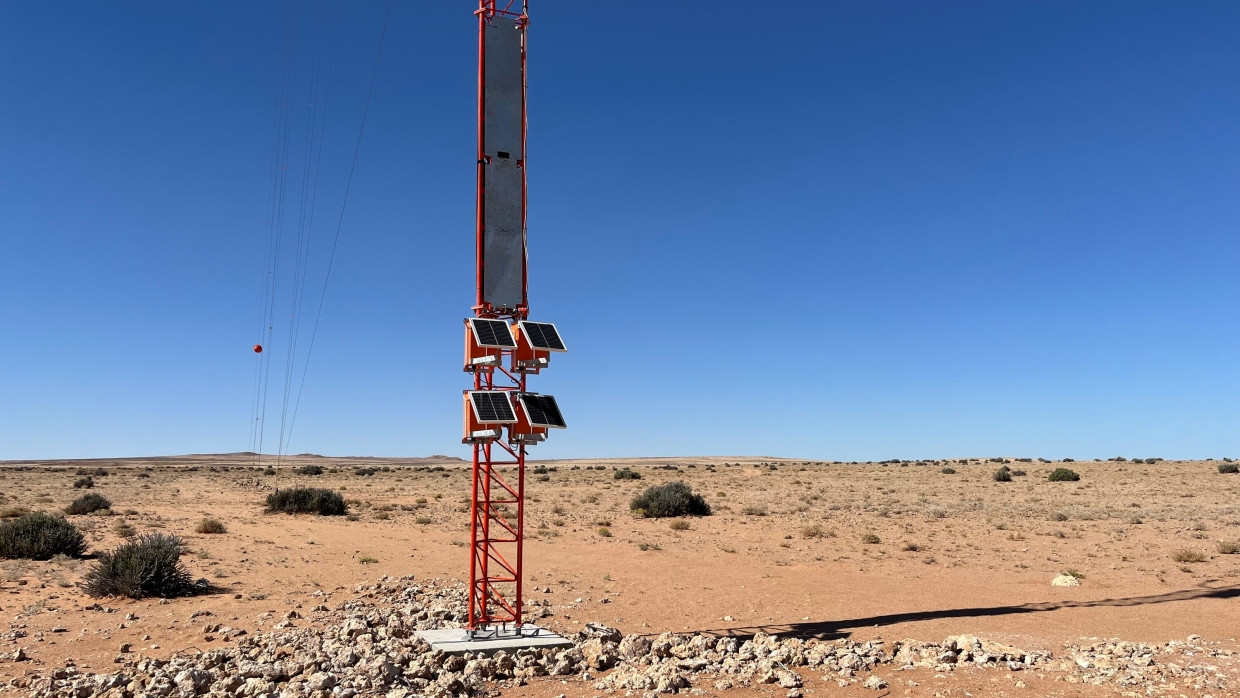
(1063, 475)
(1003, 474)
(147, 566)
(1228, 468)
(307, 500)
(40, 536)
(540, 470)
(309, 470)
(210, 525)
(671, 499)
(88, 503)
(626, 474)
(365, 471)
(84, 483)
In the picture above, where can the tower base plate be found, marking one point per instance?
(491, 640)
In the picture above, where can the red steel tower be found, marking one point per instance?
(502, 346)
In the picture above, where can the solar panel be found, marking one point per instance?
(492, 333)
(492, 407)
(542, 410)
(543, 335)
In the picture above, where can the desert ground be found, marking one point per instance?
(834, 551)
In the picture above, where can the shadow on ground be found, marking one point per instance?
(837, 629)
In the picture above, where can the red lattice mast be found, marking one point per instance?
(501, 348)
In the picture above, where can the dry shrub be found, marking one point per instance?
(209, 525)
(1186, 555)
(813, 531)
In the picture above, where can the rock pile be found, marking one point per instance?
(366, 647)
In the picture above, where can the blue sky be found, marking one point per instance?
(822, 230)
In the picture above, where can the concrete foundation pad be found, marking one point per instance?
(483, 642)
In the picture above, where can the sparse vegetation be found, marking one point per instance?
(84, 483)
(148, 566)
(1229, 547)
(604, 531)
(1228, 468)
(626, 474)
(1063, 475)
(40, 536)
(309, 470)
(124, 529)
(679, 525)
(1003, 474)
(307, 500)
(210, 525)
(671, 499)
(870, 539)
(88, 503)
(948, 471)
(754, 510)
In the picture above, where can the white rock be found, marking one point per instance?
(1065, 580)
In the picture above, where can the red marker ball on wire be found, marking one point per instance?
(258, 348)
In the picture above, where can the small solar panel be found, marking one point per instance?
(492, 407)
(543, 335)
(542, 410)
(492, 333)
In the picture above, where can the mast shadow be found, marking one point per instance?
(838, 629)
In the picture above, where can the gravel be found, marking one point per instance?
(365, 646)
